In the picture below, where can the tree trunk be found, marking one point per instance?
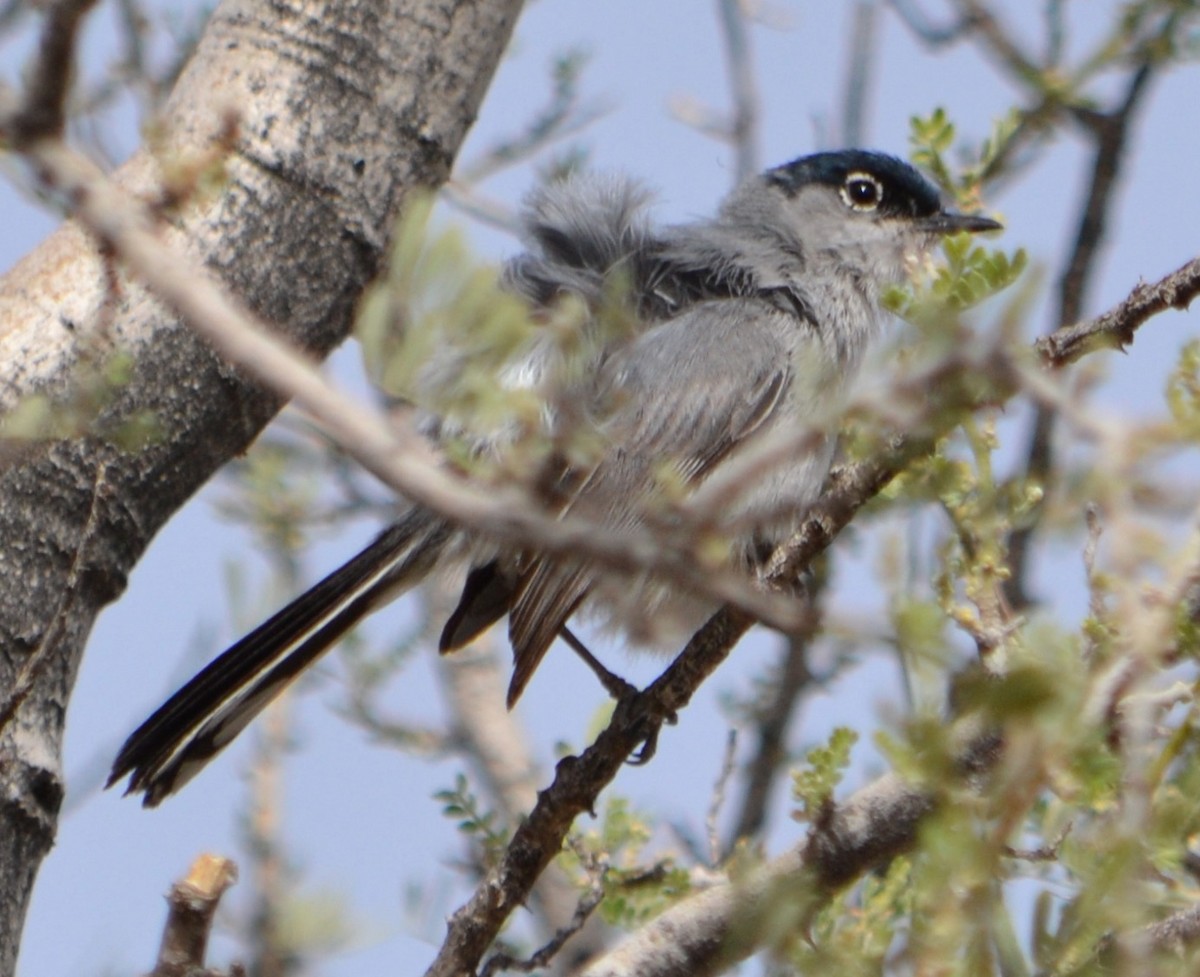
(341, 108)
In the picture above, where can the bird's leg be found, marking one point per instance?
(616, 686)
(620, 690)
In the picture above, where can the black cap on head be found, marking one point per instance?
(905, 192)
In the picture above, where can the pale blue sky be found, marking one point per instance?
(361, 820)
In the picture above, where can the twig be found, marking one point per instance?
(548, 951)
(904, 405)
(1055, 32)
(465, 198)
(1176, 931)
(788, 679)
(263, 840)
(718, 798)
(494, 743)
(859, 66)
(364, 680)
(1110, 132)
(1115, 328)
(739, 62)
(562, 118)
(1043, 853)
(416, 739)
(923, 27)
(577, 783)
(43, 113)
(10, 12)
(1172, 935)
(740, 127)
(1000, 41)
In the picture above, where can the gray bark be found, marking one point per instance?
(343, 107)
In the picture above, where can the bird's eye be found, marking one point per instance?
(861, 191)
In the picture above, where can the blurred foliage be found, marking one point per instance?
(95, 386)
(636, 886)
(440, 334)
(436, 303)
(1183, 392)
(824, 766)
(934, 136)
(276, 496)
(853, 935)
(968, 275)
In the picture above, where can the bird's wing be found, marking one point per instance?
(685, 395)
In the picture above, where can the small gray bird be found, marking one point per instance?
(754, 319)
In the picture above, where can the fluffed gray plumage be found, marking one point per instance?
(752, 320)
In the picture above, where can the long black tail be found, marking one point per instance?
(199, 720)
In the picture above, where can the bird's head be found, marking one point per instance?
(865, 211)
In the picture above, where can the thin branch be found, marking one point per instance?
(787, 681)
(10, 13)
(922, 27)
(739, 127)
(739, 62)
(859, 67)
(1116, 327)
(467, 199)
(561, 119)
(904, 405)
(1111, 132)
(261, 829)
(548, 951)
(1055, 32)
(43, 113)
(720, 789)
(1000, 41)
(474, 680)
(416, 739)
(577, 783)
(263, 839)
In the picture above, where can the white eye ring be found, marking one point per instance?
(861, 191)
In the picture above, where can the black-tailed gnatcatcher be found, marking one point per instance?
(751, 320)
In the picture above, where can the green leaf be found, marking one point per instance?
(813, 786)
(460, 804)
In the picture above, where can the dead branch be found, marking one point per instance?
(192, 905)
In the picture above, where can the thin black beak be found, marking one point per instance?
(945, 222)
